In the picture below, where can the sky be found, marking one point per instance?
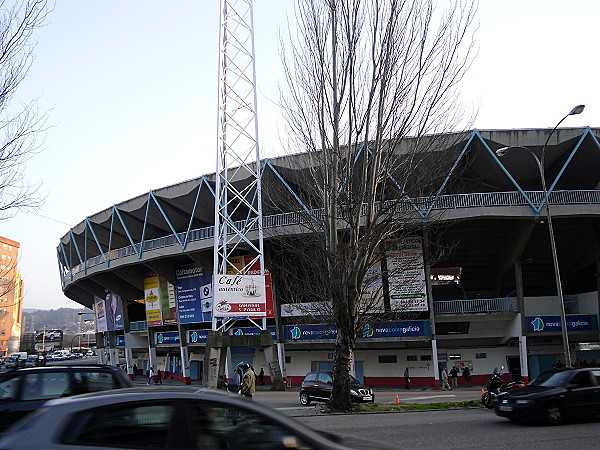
(131, 90)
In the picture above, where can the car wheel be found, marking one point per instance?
(554, 415)
(304, 399)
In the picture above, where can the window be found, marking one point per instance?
(312, 377)
(388, 359)
(454, 356)
(93, 381)
(425, 357)
(480, 355)
(9, 388)
(324, 378)
(43, 386)
(288, 359)
(412, 358)
(445, 328)
(125, 426)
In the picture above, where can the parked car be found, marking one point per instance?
(14, 362)
(553, 396)
(32, 361)
(169, 417)
(24, 391)
(318, 385)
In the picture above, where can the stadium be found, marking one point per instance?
(490, 300)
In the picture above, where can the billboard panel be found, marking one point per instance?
(152, 296)
(194, 294)
(408, 288)
(114, 311)
(239, 295)
(100, 313)
(239, 262)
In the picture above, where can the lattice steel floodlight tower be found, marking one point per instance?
(238, 205)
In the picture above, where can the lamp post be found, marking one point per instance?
(540, 163)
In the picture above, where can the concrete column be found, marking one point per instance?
(521, 307)
(436, 366)
(129, 361)
(281, 357)
(152, 349)
(272, 357)
(100, 350)
(523, 358)
(113, 355)
(185, 357)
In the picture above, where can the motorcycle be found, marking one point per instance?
(495, 386)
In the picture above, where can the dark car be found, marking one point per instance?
(318, 385)
(181, 417)
(553, 396)
(23, 391)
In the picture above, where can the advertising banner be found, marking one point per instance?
(371, 300)
(405, 328)
(114, 311)
(239, 295)
(197, 336)
(152, 298)
(408, 289)
(548, 324)
(48, 336)
(168, 302)
(194, 294)
(100, 313)
(254, 331)
(239, 262)
(167, 338)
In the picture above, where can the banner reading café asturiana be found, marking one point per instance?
(239, 295)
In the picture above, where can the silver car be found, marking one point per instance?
(169, 417)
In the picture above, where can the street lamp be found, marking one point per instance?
(540, 162)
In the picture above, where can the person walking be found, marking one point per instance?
(444, 377)
(248, 387)
(454, 376)
(158, 378)
(261, 376)
(134, 370)
(406, 379)
(150, 375)
(467, 376)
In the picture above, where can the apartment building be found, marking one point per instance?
(11, 297)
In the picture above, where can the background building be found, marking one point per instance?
(11, 297)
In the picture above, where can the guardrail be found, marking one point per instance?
(418, 205)
(480, 305)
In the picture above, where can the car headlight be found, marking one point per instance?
(353, 392)
(524, 402)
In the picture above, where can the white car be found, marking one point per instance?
(167, 417)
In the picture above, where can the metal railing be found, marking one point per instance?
(480, 305)
(140, 325)
(419, 204)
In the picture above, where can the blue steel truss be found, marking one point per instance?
(66, 256)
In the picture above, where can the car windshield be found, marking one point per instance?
(551, 379)
(11, 358)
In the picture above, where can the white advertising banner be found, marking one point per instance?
(408, 289)
(100, 312)
(239, 295)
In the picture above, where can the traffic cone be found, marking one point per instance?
(397, 399)
(482, 391)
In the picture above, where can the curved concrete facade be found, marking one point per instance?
(490, 211)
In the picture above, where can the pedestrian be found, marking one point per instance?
(248, 387)
(467, 376)
(134, 370)
(454, 376)
(406, 379)
(158, 378)
(261, 376)
(150, 375)
(444, 378)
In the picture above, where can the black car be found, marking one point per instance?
(318, 386)
(23, 391)
(553, 396)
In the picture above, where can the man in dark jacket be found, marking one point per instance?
(248, 387)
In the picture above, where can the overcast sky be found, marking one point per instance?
(131, 86)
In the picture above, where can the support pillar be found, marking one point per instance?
(272, 357)
(522, 338)
(100, 348)
(153, 362)
(129, 361)
(436, 366)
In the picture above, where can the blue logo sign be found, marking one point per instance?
(548, 324)
(167, 338)
(119, 341)
(407, 328)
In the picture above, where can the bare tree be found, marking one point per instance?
(363, 77)
(21, 126)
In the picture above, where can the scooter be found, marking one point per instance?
(495, 386)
